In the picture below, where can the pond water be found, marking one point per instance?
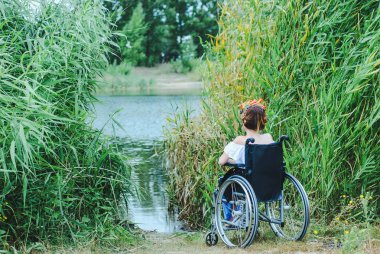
(143, 118)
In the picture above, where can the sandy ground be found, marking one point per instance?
(194, 243)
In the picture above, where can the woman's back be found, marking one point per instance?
(261, 139)
(236, 150)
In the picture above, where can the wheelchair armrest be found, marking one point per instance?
(284, 138)
(233, 165)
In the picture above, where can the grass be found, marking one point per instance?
(61, 181)
(316, 64)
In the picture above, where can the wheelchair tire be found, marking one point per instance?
(236, 197)
(211, 238)
(296, 210)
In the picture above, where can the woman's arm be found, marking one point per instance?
(223, 159)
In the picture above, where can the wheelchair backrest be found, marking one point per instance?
(265, 169)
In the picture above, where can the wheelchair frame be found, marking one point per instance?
(212, 238)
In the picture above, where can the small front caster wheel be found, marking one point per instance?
(211, 239)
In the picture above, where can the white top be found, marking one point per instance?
(235, 152)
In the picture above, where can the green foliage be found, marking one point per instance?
(166, 25)
(186, 61)
(361, 240)
(317, 66)
(123, 68)
(132, 45)
(120, 11)
(60, 180)
(356, 209)
(185, 66)
(194, 19)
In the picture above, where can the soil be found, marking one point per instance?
(194, 243)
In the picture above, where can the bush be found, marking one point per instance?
(123, 68)
(60, 179)
(361, 240)
(186, 61)
(316, 64)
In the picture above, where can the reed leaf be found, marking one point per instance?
(60, 180)
(316, 64)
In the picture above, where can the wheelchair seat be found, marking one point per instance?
(264, 169)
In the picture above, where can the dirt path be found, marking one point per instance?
(194, 243)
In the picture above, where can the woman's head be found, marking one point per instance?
(253, 115)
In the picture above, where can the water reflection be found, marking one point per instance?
(143, 118)
(150, 211)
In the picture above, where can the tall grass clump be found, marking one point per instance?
(316, 64)
(60, 180)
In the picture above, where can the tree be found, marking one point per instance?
(132, 45)
(202, 22)
(194, 18)
(167, 24)
(120, 11)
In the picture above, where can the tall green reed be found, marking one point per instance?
(317, 66)
(60, 180)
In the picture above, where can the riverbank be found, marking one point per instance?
(159, 80)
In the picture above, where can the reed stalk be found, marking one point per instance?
(60, 180)
(316, 64)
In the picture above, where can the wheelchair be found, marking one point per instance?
(261, 180)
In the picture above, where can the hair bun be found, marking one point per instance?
(253, 114)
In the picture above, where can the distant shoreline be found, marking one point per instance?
(183, 88)
(158, 80)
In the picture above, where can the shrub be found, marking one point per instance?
(59, 179)
(123, 68)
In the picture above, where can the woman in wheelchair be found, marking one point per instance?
(256, 175)
(254, 118)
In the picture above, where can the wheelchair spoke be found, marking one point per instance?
(296, 211)
(234, 216)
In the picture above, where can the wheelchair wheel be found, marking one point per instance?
(296, 210)
(211, 238)
(236, 214)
